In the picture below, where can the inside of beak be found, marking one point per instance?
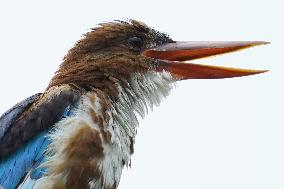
(170, 56)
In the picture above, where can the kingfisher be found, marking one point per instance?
(80, 132)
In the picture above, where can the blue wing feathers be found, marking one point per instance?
(18, 164)
(26, 159)
(33, 119)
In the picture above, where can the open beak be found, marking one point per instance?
(170, 57)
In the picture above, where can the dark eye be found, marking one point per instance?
(136, 42)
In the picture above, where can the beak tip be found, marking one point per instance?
(263, 71)
(262, 43)
(255, 72)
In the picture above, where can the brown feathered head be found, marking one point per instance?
(116, 50)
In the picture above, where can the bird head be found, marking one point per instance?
(117, 50)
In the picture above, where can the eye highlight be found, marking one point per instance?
(136, 42)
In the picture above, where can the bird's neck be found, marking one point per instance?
(100, 134)
(142, 92)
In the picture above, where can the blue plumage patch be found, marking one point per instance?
(19, 163)
(28, 158)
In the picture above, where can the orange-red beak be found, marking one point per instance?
(171, 55)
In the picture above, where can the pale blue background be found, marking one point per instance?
(208, 133)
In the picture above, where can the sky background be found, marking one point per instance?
(208, 133)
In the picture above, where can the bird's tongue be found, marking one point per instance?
(170, 56)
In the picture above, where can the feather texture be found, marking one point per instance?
(19, 155)
(90, 148)
(11, 115)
